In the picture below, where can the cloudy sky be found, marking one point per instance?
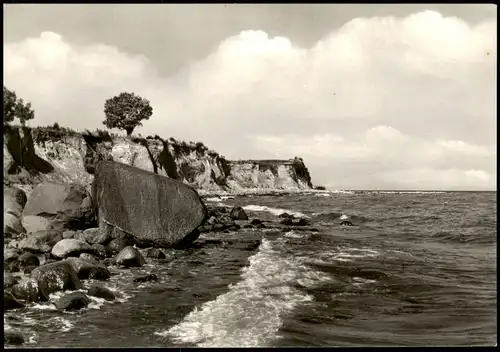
(370, 96)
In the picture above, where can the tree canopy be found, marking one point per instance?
(126, 111)
(16, 107)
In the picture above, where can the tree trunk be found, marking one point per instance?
(129, 131)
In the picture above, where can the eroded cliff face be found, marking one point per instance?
(34, 155)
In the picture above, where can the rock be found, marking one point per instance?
(40, 242)
(205, 228)
(28, 269)
(43, 258)
(14, 200)
(302, 222)
(260, 226)
(13, 244)
(109, 261)
(86, 269)
(146, 205)
(62, 204)
(12, 337)
(247, 226)
(146, 278)
(294, 222)
(218, 227)
(241, 223)
(101, 292)
(12, 225)
(212, 220)
(58, 276)
(28, 290)
(70, 246)
(237, 213)
(155, 253)
(100, 250)
(89, 257)
(79, 236)
(96, 236)
(118, 244)
(10, 254)
(234, 228)
(287, 221)
(13, 266)
(28, 259)
(68, 234)
(33, 223)
(130, 257)
(73, 301)
(256, 222)
(9, 280)
(286, 216)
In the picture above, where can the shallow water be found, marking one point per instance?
(419, 269)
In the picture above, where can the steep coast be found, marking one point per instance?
(32, 155)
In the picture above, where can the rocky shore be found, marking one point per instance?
(63, 235)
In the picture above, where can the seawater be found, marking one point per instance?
(418, 269)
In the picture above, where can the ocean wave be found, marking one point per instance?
(274, 211)
(332, 215)
(251, 313)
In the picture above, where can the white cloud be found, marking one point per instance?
(379, 95)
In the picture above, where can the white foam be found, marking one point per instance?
(342, 254)
(251, 313)
(343, 217)
(213, 199)
(274, 211)
(358, 281)
(46, 306)
(293, 234)
(61, 324)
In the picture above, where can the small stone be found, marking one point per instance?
(68, 234)
(11, 337)
(73, 301)
(155, 253)
(101, 292)
(237, 213)
(151, 277)
(130, 257)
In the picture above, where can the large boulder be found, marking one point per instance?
(70, 247)
(146, 205)
(12, 225)
(14, 200)
(34, 223)
(28, 290)
(40, 242)
(89, 269)
(129, 257)
(53, 277)
(68, 206)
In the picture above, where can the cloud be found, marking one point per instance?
(379, 96)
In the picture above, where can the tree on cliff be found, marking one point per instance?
(16, 107)
(125, 111)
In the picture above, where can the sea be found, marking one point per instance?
(416, 269)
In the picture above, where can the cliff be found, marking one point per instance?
(63, 155)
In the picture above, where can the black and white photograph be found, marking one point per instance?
(249, 175)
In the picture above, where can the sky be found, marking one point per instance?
(371, 96)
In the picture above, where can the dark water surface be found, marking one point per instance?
(418, 270)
